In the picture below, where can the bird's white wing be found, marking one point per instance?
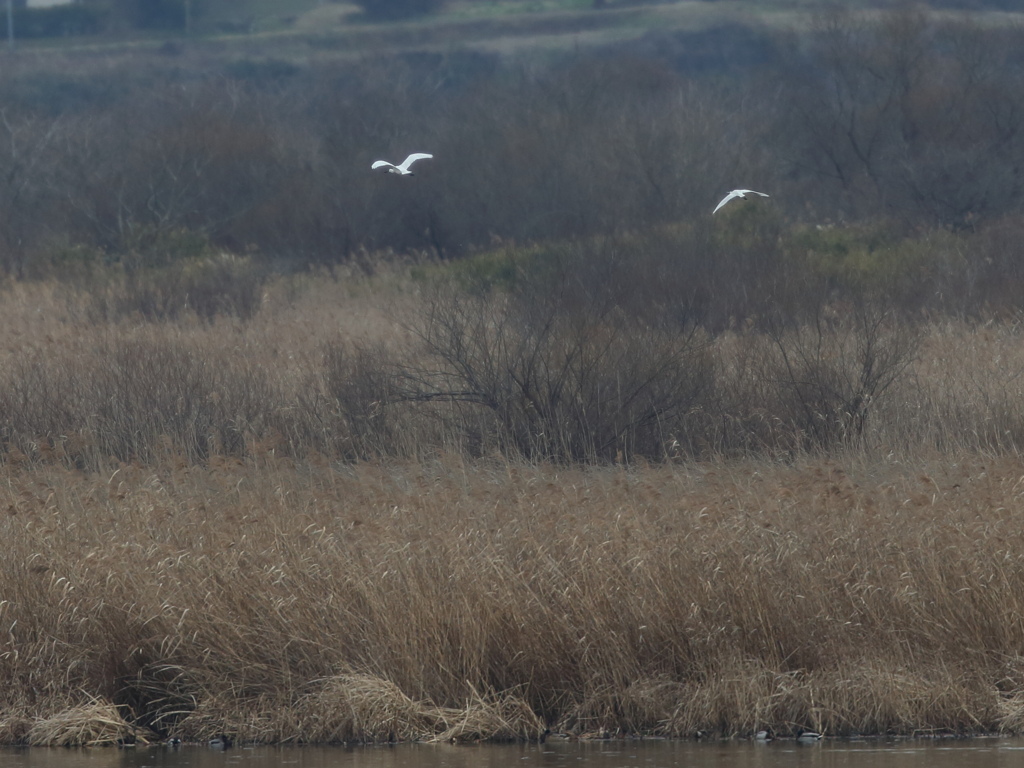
(381, 164)
(413, 158)
(737, 193)
(726, 199)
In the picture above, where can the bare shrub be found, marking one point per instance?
(825, 377)
(906, 115)
(558, 384)
(600, 147)
(29, 166)
(191, 160)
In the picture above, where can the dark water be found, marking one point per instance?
(975, 753)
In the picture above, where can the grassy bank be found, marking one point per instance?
(279, 602)
(282, 591)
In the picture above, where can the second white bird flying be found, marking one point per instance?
(403, 169)
(742, 193)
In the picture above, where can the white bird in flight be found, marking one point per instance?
(403, 169)
(736, 193)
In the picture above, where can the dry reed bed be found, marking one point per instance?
(307, 375)
(279, 599)
(282, 602)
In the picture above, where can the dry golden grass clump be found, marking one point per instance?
(351, 708)
(493, 717)
(98, 723)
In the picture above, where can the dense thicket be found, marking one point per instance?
(591, 307)
(910, 118)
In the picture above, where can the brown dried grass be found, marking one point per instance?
(491, 717)
(376, 602)
(98, 723)
(297, 599)
(317, 373)
(350, 708)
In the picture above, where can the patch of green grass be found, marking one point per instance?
(869, 257)
(502, 268)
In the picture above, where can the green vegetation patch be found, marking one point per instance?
(504, 268)
(870, 258)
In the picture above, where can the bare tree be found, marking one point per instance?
(909, 116)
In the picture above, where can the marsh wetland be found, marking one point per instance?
(530, 441)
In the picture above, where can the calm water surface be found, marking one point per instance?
(975, 753)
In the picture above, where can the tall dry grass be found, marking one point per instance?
(494, 600)
(352, 369)
(230, 571)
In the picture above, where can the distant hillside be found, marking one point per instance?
(493, 25)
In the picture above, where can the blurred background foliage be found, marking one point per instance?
(892, 144)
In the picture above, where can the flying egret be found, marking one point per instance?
(403, 169)
(736, 193)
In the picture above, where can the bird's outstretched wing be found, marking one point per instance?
(381, 164)
(737, 193)
(412, 159)
(726, 199)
